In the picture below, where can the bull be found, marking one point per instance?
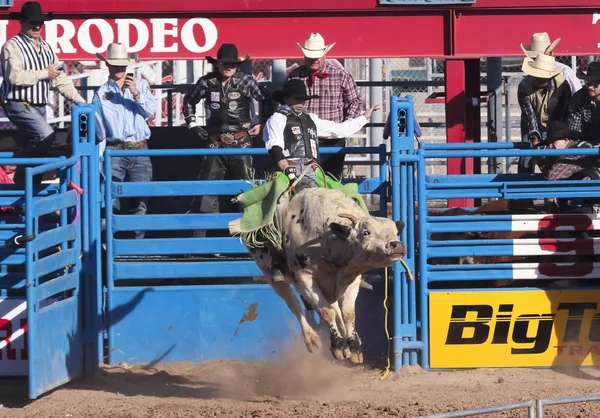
(328, 243)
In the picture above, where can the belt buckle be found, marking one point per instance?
(228, 139)
(129, 145)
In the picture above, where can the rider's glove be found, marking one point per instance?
(291, 172)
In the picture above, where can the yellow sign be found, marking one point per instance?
(514, 328)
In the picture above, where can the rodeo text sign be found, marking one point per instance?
(514, 329)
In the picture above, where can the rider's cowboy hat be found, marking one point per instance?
(560, 130)
(540, 43)
(116, 55)
(31, 11)
(314, 46)
(541, 67)
(593, 72)
(227, 54)
(293, 88)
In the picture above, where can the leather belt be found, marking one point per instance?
(128, 144)
(230, 138)
(303, 161)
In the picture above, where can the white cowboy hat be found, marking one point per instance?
(116, 54)
(541, 67)
(540, 43)
(314, 46)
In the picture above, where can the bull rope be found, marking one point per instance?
(387, 332)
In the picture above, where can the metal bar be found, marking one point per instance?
(110, 272)
(30, 280)
(530, 405)
(540, 403)
(184, 269)
(63, 162)
(423, 272)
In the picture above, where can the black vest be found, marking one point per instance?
(300, 135)
(227, 108)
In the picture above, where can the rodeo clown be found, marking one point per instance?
(291, 135)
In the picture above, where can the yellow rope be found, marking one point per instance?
(387, 332)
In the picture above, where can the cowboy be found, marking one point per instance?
(540, 43)
(291, 133)
(125, 104)
(338, 94)
(544, 97)
(583, 114)
(30, 68)
(291, 138)
(228, 96)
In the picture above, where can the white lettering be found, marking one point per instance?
(123, 26)
(60, 43)
(159, 35)
(595, 19)
(3, 26)
(84, 37)
(210, 34)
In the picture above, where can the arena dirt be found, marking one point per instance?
(301, 385)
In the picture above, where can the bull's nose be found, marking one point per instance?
(398, 247)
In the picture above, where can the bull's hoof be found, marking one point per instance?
(356, 358)
(338, 347)
(338, 353)
(355, 348)
(312, 341)
(347, 352)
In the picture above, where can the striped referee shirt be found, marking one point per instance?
(25, 76)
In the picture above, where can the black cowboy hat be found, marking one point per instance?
(227, 54)
(561, 130)
(31, 11)
(593, 72)
(293, 88)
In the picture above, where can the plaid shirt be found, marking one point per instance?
(247, 84)
(584, 116)
(562, 168)
(339, 99)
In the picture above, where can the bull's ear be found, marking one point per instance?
(340, 231)
(399, 226)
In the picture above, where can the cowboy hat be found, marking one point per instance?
(227, 54)
(540, 43)
(593, 72)
(560, 130)
(314, 46)
(541, 67)
(293, 88)
(116, 54)
(31, 11)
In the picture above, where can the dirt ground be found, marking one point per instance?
(302, 385)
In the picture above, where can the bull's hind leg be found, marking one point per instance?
(311, 339)
(313, 295)
(347, 304)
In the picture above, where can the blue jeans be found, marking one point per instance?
(131, 169)
(37, 134)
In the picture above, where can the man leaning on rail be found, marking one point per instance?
(30, 69)
(231, 121)
(125, 105)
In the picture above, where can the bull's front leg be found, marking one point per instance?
(347, 304)
(308, 288)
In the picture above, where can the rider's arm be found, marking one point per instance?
(191, 99)
(528, 116)
(273, 138)
(329, 129)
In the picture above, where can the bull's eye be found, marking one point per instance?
(365, 232)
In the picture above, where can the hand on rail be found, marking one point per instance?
(370, 110)
(52, 72)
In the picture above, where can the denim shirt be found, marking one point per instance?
(124, 118)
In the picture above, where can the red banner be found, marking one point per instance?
(261, 37)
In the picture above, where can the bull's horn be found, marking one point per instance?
(353, 218)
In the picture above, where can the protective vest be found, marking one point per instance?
(300, 135)
(227, 107)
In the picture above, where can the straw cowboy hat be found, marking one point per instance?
(593, 72)
(541, 67)
(228, 54)
(293, 88)
(314, 46)
(540, 43)
(116, 55)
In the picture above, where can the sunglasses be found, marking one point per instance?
(35, 23)
(594, 84)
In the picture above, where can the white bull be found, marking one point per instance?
(328, 243)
